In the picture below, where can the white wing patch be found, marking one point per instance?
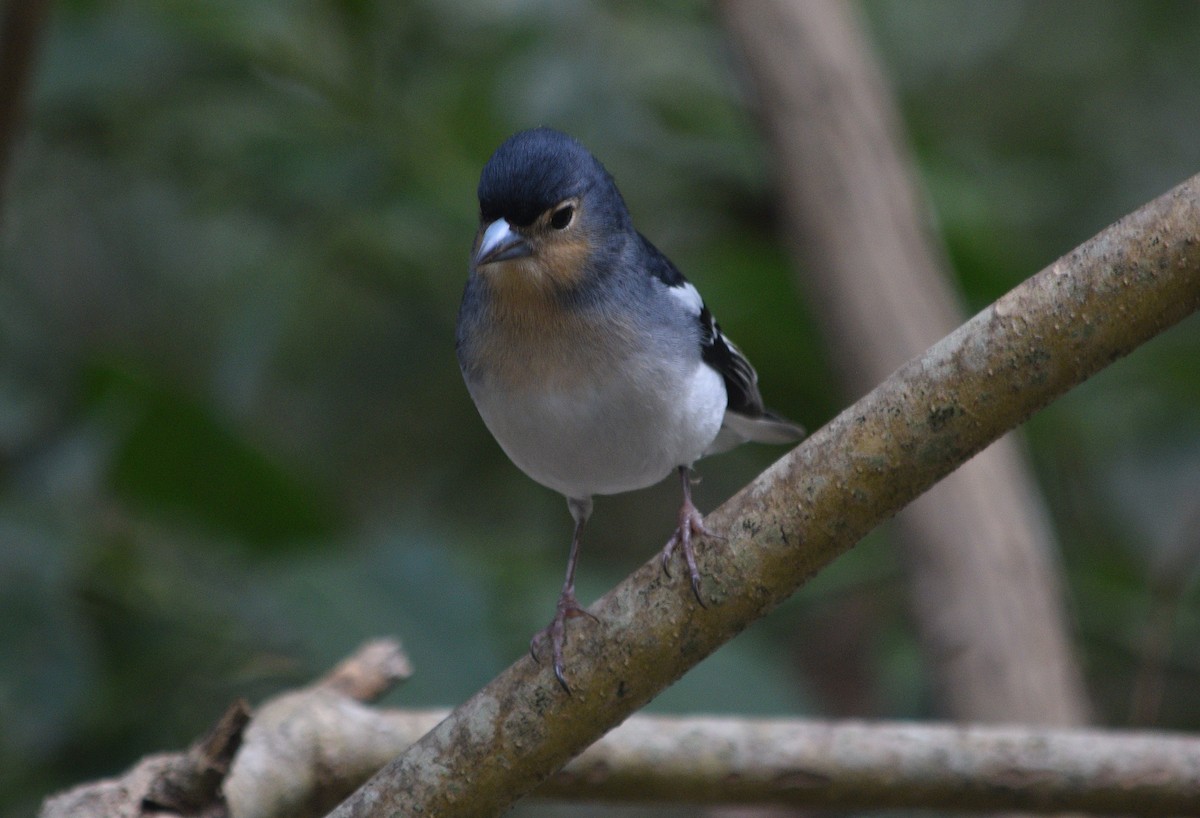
(688, 296)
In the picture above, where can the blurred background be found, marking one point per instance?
(234, 441)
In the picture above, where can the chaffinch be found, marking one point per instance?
(592, 360)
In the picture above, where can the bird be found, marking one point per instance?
(593, 362)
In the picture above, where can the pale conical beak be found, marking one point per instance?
(501, 243)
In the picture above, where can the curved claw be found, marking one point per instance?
(696, 590)
(691, 523)
(562, 680)
(556, 632)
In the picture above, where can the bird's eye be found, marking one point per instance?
(561, 218)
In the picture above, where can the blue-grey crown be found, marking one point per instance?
(536, 169)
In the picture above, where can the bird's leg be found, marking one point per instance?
(691, 523)
(568, 607)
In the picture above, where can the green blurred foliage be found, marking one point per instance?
(233, 438)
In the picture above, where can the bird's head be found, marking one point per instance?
(547, 211)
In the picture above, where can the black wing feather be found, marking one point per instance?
(741, 381)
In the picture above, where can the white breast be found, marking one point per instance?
(626, 432)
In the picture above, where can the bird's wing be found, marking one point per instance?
(741, 381)
(745, 418)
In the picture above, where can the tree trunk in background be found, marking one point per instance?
(977, 547)
(21, 25)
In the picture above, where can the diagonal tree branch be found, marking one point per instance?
(1130, 282)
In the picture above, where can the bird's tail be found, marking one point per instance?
(768, 427)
